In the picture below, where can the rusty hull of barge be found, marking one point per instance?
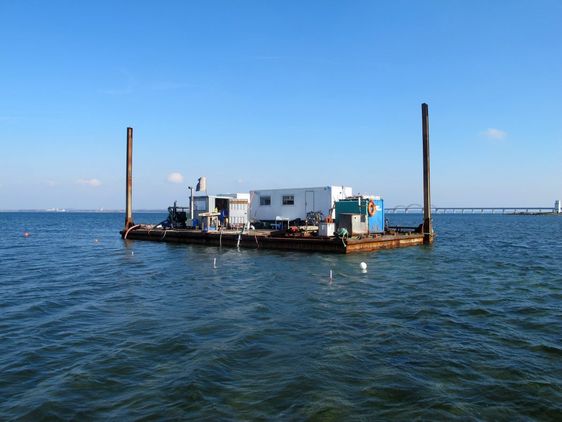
(262, 239)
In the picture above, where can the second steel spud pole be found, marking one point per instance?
(427, 223)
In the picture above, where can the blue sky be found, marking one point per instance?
(269, 94)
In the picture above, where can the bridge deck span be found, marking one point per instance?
(470, 210)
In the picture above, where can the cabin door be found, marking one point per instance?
(308, 201)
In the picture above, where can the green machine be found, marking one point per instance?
(360, 215)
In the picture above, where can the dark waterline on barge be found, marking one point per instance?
(265, 239)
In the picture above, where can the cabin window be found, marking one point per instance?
(288, 199)
(200, 203)
(265, 200)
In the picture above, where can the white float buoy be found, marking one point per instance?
(363, 266)
(214, 262)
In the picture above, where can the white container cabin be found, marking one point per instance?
(272, 205)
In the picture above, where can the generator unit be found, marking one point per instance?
(360, 215)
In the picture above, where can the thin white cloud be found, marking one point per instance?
(175, 177)
(51, 183)
(89, 182)
(495, 134)
(124, 89)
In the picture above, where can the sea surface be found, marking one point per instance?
(96, 328)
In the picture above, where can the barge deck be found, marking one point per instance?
(267, 239)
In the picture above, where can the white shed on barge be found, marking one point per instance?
(272, 205)
(232, 208)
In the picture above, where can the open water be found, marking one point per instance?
(93, 327)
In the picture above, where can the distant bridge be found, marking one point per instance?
(417, 209)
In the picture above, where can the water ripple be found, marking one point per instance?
(94, 327)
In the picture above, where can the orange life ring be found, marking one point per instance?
(372, 208)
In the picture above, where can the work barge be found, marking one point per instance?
(308, 238)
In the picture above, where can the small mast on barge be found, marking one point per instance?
(353, 224)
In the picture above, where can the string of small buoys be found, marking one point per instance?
(362, 265)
